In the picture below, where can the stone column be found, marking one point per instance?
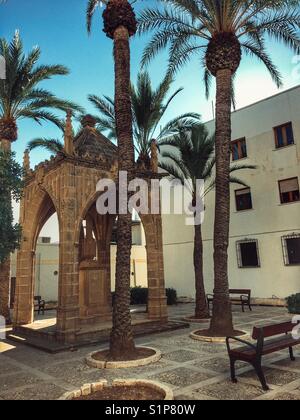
(157, 301)
(24, 305)
(68, 293)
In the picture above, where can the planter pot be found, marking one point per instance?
(107, 364)
(121, 389)
(196, 335)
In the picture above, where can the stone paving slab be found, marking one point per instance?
(287, 396)
(216, 364)
(195, 370)
(228, 391)
(181, 356)
(274, 376)
(181, 377)
(19, 379)
(41, 392)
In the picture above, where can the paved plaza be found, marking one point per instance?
(194, 370)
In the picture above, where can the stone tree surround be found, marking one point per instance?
(66, 185)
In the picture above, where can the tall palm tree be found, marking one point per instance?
(148, 108)
(120, 25)
(21, 97)
(20, 94)
(219, 31)
(189, 157)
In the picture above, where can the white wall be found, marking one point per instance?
(267, 222)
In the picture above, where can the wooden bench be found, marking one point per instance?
(39, 304)
(237, 296)
(253, 353)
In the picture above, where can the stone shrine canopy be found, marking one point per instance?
(66, 185)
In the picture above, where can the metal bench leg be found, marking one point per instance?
(250, 307)
(292, 354)
(232, 370)
(243, 307)
(261, 376)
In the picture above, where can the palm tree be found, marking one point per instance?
(190, 157)
(21, 97)
(148, 108)
(219, 31)
(120, 25)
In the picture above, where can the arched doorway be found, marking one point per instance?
(46, 282)
(42, 209)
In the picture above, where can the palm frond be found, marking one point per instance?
(50, 145)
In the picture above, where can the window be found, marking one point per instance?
(44, 240)
(243, 199)
(248, 255)
(284, 135)
(291, 249)
(289, 190)
(239, 149)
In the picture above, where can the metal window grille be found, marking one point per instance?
(284, 241)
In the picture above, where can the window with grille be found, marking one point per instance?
(243, 199)
(291, 249)
(289, 190)
(239, 149)
(284, 135)
(248, 254)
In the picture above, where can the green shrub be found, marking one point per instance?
(171, 297)
(293, 303)
(139, 296)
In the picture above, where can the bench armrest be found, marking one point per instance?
(245, 297)
(252, 346)
(209, 296)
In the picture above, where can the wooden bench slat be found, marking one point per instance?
(273, 329)
(253, 354)
(270, 346)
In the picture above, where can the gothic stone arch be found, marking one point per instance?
(67, 185)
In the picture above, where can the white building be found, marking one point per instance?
(264, 251)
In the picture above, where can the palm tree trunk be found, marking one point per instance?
(122, 342)
(222, 323)
(201, 311)
(5, 267)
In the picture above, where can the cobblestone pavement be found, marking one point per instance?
(195, 370)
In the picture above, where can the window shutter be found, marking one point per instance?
(289, 185)
(243, 192)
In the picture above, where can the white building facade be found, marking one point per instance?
(264, 251)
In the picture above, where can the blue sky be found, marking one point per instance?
(58, 27)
